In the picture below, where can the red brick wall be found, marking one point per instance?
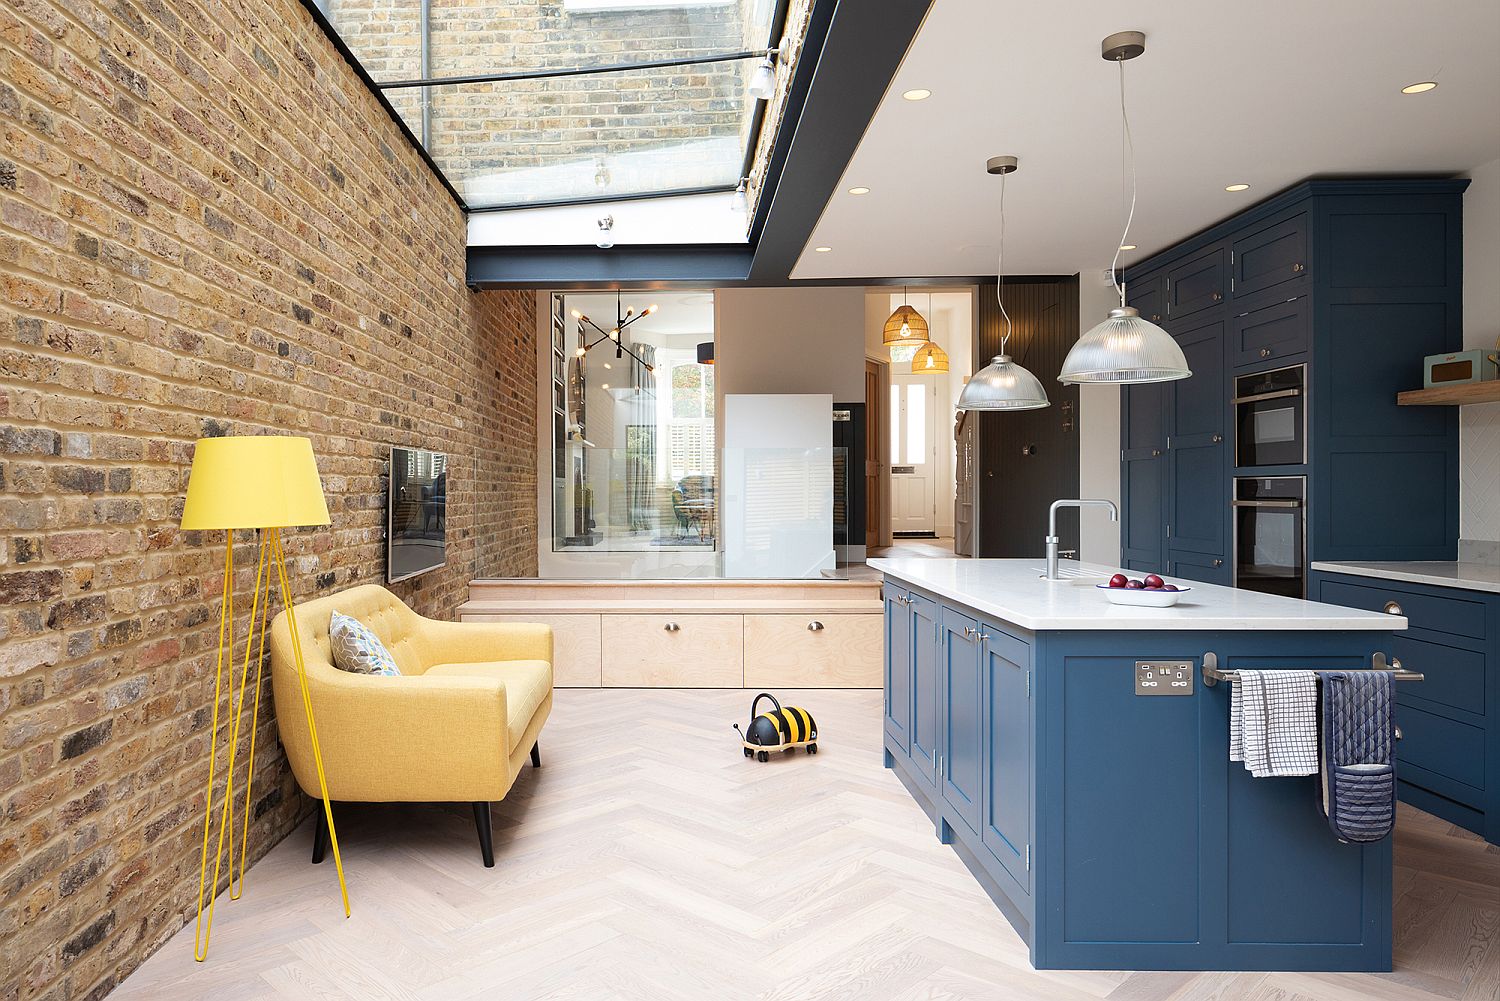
(207, 226)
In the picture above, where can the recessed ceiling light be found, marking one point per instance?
(1127, 246)
(919, 94)
(1236, 187)
(860, 190)
(822, 250)
(1419, 88)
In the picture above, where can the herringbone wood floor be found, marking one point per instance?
(648, 859)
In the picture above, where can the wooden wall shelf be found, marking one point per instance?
(1452, 396)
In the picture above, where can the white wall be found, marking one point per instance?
(1479, 425)
(790, 340)
(1098, 434)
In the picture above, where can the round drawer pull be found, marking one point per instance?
(1391, 608)
(1298, 268)
(672, 627)
(1265, 352)
(815, 626)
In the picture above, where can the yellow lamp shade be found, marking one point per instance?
(264, 481)
(929, 360)
(905, 324)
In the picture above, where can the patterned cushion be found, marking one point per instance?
(357, 650)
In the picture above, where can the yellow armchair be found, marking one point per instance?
(457, 726)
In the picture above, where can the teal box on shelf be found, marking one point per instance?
(1457, 368)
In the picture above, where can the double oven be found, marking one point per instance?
(1270, 485)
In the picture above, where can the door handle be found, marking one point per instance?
(672, 627)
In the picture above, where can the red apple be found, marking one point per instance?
(1118, 580)
(1153, 581)
(1134, 585)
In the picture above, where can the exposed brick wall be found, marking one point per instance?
(207, 226)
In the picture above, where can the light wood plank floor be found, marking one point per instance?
(679, 870)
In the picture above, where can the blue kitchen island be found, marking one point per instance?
(1075, 756)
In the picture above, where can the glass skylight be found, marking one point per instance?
(550, 101)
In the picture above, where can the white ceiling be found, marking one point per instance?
(1267, 93)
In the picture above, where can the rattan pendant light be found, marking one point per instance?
(929, 360)
(1124, 348)
(1002, 384)
(906, 325)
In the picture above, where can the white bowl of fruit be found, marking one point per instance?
(1150, 590)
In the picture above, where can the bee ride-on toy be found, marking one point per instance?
(784, 729)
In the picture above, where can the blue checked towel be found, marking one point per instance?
(1357, 765)
(1273, 723)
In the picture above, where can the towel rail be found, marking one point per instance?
(1212, 675)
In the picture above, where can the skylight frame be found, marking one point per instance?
(752, 136)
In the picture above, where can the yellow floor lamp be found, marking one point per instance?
(267, 483)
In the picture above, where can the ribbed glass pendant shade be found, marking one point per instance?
(905, 325)
(929, 360)
(1002, 385)
(1125, 349)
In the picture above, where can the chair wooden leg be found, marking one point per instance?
(536, 755)
(486, 833)
(320, 833)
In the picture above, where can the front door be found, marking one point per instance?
(913, 401)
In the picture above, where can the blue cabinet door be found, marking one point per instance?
(898, 666)
(1271, 330)
(961, 772)
(1148, 295)
(1143, 475)
(1269, 255)
(926, 712)
(1200, 282)
(1006, 830)
(1197, 454)
(1200, 566)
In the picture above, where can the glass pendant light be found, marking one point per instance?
(1125, 348)
(1002, 384)
(905, 325)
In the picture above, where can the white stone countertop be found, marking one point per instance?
(1013, 591)
(1467, 576)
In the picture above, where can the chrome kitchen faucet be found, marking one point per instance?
(1114, 515)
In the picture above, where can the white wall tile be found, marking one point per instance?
(1479, 472)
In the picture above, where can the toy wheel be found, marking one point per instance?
(749, 753)
(812, 748)
(764, 756)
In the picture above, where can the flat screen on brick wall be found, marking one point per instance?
(416, 529)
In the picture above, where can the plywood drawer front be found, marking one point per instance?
(785, 651)
(576, 645)
(702, 651)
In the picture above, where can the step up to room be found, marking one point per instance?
(697, 634)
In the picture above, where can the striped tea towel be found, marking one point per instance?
(1358, 766)
(1273, 723)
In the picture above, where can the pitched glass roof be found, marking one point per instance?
(528, 102)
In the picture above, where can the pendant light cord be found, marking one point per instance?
(1000, 270)
(1114, 267)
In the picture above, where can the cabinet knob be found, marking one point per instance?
(1265, 352)
(814, 625)
(1218, 563)
(1217, 296)
(1218, 438)
(672, 627)
(1155, 317)
(1298, 268)
(1155, 452)
(1392, 608)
